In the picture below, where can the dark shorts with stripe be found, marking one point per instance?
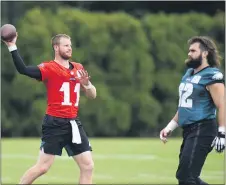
(57, 134)
(197, 140)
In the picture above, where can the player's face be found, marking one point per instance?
(65, 49)
(194, 59)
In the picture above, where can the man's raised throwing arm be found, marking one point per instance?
(31, 71)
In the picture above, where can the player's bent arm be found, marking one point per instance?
(90, 90)
(173, 124)
(31, 71)
(217, 93)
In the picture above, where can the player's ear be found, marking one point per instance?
(55, 47)
(205, 53)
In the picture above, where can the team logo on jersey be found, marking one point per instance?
(73, 77)
(196, 79)
(218, 76)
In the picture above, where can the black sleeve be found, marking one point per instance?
(31, 71)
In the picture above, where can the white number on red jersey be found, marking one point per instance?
(65, 88)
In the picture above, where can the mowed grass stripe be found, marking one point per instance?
(117, 160)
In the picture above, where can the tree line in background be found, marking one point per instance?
(135, 64)
(13, 10)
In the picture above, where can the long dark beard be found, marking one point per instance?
(194, 63)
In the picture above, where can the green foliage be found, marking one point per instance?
(135, 64)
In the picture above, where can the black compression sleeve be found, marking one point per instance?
(31, 71)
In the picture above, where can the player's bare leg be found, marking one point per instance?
(86, 165)
(41, 167)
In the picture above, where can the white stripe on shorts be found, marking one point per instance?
(76, 137)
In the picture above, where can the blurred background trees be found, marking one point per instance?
(134, 52)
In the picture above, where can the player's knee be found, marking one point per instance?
(43, 169)
(181, 176)
(184, 179)
(88, 166)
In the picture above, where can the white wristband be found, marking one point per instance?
(12, 48)
(89, 86)
(221, 129)
(172, 125)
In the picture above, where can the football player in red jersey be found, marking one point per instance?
(61, 127)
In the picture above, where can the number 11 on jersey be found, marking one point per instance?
(65, 88)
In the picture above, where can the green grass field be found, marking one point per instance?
(146, 161)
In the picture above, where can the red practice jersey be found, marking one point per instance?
(63, 89)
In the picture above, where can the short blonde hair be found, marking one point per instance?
(56, 39)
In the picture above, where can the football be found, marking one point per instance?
(8, 32)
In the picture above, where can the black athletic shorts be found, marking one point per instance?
(57, 134)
